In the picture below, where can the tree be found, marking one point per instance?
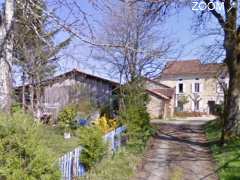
(228, 28)
(6, 46)
(138, 50)
(35, 49)
(228, 22)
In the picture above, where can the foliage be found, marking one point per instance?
(219, 109)
(120, 167)
(66, 117)
(105, 124)
(226, 156)
(110, 109)
(22, 153)
(93, 145)
(16, 107)
(183, 99)
(134, 114)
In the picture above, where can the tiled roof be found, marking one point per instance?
(157, 83)
(191, 67)
(165, 93)
(169, 92)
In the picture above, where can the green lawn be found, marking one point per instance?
(119, 167)
(54, 140)
(228, 156)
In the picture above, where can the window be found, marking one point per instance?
(180, 87)
(221, 87)
(196, 87)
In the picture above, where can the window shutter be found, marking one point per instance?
(200, 105)
(192, 105)
(177, 88)
(184, 88)
(201, 87)
(193, 87)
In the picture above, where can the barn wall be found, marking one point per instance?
(75, 89)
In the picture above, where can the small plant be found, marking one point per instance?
(105, 124)
(16, 107)
(219, 109)
(66, 118)
(94, 147)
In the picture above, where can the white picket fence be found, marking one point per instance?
(70, 165)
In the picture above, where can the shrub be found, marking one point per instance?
(22, 154)
(135, 115)
(16, 107)
(219, 109)
(94, 147)
(66, 117)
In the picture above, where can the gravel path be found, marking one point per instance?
(179, 151)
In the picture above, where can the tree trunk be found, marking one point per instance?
(23, 92)
(232, 126)
(32, 94)
(6, 57)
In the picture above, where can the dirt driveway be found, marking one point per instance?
(179, 151)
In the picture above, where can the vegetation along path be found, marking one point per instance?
(178, 151)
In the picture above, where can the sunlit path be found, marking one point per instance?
(178, 151)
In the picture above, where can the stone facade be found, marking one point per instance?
(200, 89)
(161, 100)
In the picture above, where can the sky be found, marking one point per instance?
(178, 28)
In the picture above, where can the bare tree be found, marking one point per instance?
(228, 28)
(226, 46)
(6, 58)
(140, 51)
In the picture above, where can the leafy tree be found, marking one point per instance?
(134, 114)
(35, 49)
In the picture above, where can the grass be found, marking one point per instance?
(228, 156)
(53, 138)
(121, 166)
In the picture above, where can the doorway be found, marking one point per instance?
(211, 106)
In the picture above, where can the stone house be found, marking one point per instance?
(198, 86)
(161, 100)
(70, 87)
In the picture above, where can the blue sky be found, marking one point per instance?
(178, 28)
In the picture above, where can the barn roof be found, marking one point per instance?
(73, 73)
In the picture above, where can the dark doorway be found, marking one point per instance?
(211, 105)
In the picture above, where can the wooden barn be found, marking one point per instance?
(67, 88)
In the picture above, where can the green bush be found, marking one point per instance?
(94, 147)
(66, 117)
(219, 109)
(135, 115)
(22, 153)
(16, 107)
